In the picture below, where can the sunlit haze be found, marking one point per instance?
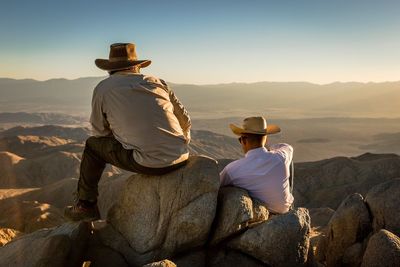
(205, 42)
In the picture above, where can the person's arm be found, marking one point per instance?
(98, 120)
(182, 115)
(285, 150)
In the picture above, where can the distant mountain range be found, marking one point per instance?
(41, 118)
(276, 99)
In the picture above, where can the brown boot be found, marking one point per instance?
(80, 211)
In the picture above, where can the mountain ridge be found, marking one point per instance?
(208, 84)
(278, 99)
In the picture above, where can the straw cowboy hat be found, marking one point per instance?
(122, 56)
(255, 125)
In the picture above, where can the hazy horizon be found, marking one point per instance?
(270, 99)
(206, 42)
(223, 83)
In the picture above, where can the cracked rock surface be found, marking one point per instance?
(162, 215)
(283, 240)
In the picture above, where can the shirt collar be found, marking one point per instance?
(126, 72)
(255, 151)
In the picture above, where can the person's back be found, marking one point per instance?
(263, 172)
(138, 123)
(143, 115)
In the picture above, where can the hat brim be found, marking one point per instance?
(105, 64)
(271, 129)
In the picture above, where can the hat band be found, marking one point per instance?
(117, 59)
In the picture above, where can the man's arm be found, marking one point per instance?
(285, 150)
(182, 115)
(98, 120)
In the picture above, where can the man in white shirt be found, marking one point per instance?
(139, 125)
(263, 172)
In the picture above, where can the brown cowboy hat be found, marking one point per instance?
(122, 56)
(255, 125)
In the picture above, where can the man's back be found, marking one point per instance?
(264, 174)
(138, 123)
(144, 115)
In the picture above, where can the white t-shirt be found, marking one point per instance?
(264, 174)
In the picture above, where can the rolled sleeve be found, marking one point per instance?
(182, 115)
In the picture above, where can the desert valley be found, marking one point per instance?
(341, 148)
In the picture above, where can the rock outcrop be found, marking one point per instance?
(162, 215)
(283, 240)
(100, 255)
(236, 211)
(383, 250)
(320, 217)
(229, 258)
(109, 192)
(348, 241)
(176, 217)
(353, 255)
(349, 224)
(384, 203)
(61, 246)
(196, 258)
(324, 183)
(110, 238)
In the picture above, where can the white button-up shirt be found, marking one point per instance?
(264, 174)
(143, 114)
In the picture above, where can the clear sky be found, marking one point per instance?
(205, 41)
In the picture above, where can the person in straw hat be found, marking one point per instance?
(263, 172)
(139, 125)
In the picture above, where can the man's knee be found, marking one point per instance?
(91, 141)
(101, 145)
